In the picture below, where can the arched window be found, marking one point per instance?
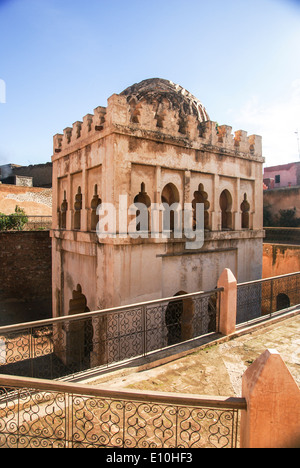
(200, 196)
(63, 212)
(144, 199)
(169, 196)
(245, 208)
(226, 207)
(96, 201)
(77, 209)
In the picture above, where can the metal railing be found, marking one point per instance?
(47, 414)
(267, 297)
(67, 345)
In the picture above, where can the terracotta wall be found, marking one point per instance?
(280, 259)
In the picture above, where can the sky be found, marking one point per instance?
(60, 59)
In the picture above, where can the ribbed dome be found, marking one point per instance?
(157, 89)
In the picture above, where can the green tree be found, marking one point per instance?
(287, 218)
(13, 222)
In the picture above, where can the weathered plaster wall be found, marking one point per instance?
(286, 198)
(279, 259)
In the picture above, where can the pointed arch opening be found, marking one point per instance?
(77, 209)
(200, 196)
(96, 201)
(169, 197)
(143, 222)
(226, 210)
(63, 212)
(245, 209)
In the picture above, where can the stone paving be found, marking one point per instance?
(217, 369)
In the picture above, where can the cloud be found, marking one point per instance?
(277, 122)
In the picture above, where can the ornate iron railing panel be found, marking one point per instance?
(44, 414)
(267, 297)
(63, 346)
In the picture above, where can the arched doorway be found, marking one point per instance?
(282, 301)
(169, 196)
(226, 207)
(79, 332)
(179, 319)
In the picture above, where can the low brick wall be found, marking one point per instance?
(25, 276)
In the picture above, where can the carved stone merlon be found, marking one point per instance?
(117, 110)
(67, 135)
(87, 124)
(76, 132)
(241, 141)
(57, 142)
(99, 117)
(225, 135)
(255, 145)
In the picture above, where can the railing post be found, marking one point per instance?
(272, 418)
(144, 329)
(228, 302)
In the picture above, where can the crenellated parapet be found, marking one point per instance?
(221, 136)
(90, 125)
(160, 110)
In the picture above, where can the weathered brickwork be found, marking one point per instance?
(25, 272)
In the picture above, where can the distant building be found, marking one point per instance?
(37, 175)
(284, 175)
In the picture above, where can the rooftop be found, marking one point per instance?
(157, 89)
(216, 368)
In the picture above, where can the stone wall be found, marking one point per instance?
(25, 276)
(286, 198)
